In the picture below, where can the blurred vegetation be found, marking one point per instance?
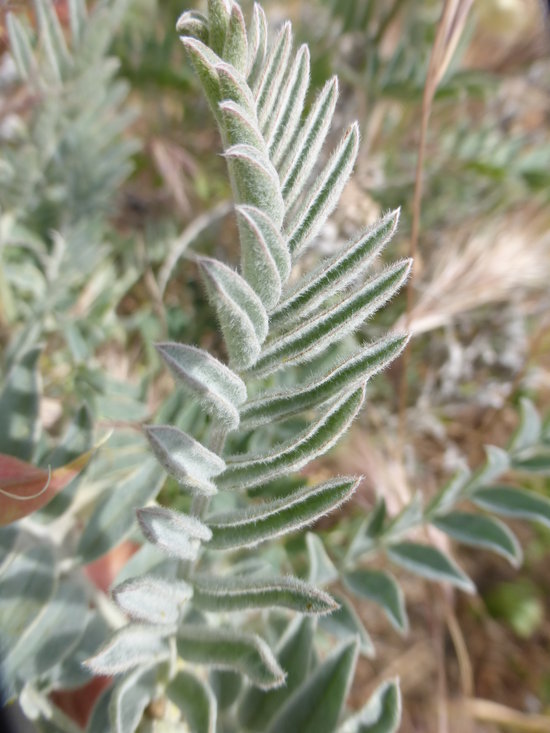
(107, 177)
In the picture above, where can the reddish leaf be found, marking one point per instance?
(24, 488)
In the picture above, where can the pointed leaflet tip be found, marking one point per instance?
(249, 471)
(257, 45)
(222, 648)
(184, 458)
(193, 24)
(242, 316)
(235, 49)
(257, 524)
(177, 534)
(287, 113)
(274, 70)
(256, 181)
(237, 593)
(153, 600)
(335, 273)
(130, 647)
(218, 389)
(314, 211)
(300, 153)
(264, 256)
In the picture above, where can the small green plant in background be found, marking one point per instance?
(227, 631)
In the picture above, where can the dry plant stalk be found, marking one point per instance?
(490, 266)
(449, 30)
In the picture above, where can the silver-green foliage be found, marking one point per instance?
(70, 156)
(62, 165)
(272, 143)
(527, 452)
(207, 610)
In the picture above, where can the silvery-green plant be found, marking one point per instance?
(212, 604)
(65, 158)
(198, 610)
(221, 631)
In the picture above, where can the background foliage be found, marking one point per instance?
(109, 177)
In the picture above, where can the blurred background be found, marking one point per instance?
(110, 173)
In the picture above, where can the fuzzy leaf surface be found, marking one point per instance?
(306, 340)
(286, 118)
(184, 458)
(235, 47)
(256, 181)
(219, 12)
(177, 534)
(350, 373)
(302, 151)
(257, 45)
(265, 258)
(193, 24)
(218, 389)
(250, 527)
(129, 647)
(232, 650)
(271, 79)
(335, 273)
(242, 317)
(153, 600)
(316, 208)
(248, 472)
(204, 61)
(239, 593)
